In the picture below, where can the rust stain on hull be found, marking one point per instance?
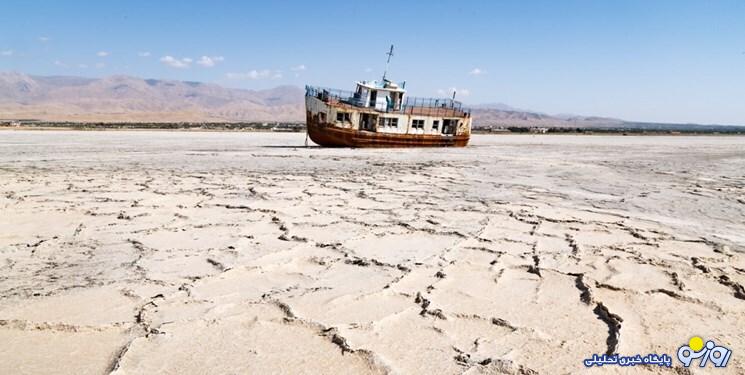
(328, 135)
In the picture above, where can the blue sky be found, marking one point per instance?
(669, 61)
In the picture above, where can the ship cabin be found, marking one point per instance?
(385, 97)
(384, 107)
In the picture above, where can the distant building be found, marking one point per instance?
(539, 130)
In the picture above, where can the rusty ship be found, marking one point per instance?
(380, 114)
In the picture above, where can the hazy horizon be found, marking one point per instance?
(673, 62)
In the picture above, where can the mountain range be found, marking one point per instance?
(131, 99)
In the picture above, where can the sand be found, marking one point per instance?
(191, 253)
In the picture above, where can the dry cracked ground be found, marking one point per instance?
(157, 252)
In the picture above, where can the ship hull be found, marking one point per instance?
(328, 135)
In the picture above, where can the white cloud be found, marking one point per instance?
(298, 69)
(208, 62)
(368, 70)
(100, 65)
(256, 74)
(6, 53)
(143, 54)
(102, 53)
(449, 92)
(44, 39)
(60, 63)
(83, 66)
(176, 63)
(476, 72)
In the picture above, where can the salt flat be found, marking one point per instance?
(149, 252)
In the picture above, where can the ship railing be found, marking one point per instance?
(334, 95)
(411, 105)
(434, 107)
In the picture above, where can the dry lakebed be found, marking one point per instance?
(142, 252)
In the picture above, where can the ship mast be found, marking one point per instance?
(390, 53)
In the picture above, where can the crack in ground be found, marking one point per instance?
(737, 289)
(614, 326)
(612, 320)
(491, 365)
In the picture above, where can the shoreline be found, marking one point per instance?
(594, 132)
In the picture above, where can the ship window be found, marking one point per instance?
(448, 126)
(435, 124)
(343, 117)
(388, 121)
(417, 124)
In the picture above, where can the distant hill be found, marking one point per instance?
(131, 99)
(499, 116)
(487, 117)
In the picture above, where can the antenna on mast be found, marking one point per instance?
(390, 53)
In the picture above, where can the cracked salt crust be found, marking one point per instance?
(135, 252)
